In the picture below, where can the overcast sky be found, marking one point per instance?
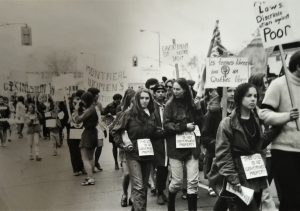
(109, 30)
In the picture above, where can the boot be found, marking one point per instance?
(192, 202)
(171, 202)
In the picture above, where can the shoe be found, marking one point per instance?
(211, 192)
(184, 197)
(31, 157)
(88, 181)
(130, 201)
(98, 167)
(55, 153)
(171, 203)
(77, 173)
(117, 166)
(160, 200)
(124, 201)
(153, 192)
(38, 158)
(9, 140)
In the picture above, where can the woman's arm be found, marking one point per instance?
(169, 125)
(120, 125)
(86, 114)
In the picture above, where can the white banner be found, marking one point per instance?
(226, 72)
(274, 22)
(254, 166)
(145, 147)
(186, 140)
(175, 53)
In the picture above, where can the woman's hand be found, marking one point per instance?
(294, 114)
(190, 126)
(237, 187)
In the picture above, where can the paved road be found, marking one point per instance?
(50, 185)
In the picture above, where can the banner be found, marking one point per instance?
(20, 88)
(274, 22)
(109, 83)
(226, 72)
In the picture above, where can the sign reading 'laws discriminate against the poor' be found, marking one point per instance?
(254, 166)
(226, 72)
(274, 22)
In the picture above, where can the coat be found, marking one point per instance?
(176, 117)
(159, 143)
(231, 144)
(136, 130)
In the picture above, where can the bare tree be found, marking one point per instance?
(60, 62)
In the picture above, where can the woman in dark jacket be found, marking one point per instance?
(239, 135)
(139, 122)
(180, 117)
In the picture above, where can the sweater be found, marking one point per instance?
(275, 110)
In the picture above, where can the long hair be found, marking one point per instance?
(126, 101)
(187, 96)
(240, 93)
(137, 109)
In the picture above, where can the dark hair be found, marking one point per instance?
(169, 80)
(257, 79)
(87, 98)
(294, 61)
(117, 97)
(241, 92)
(128, 96)
(164, 78)
(187, 98)
(137, 109)
(151, 81)
(79, 93)
(21, 99)
(94, 91)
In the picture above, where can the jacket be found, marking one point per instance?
(176, 117)
(231, 144)
(159, 145)
(136, 130)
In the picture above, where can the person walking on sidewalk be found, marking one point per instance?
(20, 115)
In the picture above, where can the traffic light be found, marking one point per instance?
(26, 38)
(135, 61)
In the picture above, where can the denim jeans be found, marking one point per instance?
(177, 175)
(139, 175)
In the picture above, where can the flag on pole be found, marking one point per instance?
(216, 49)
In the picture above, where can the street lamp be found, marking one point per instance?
(158, 35)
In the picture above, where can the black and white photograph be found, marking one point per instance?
(158, 105)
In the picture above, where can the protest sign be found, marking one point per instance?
(145, 147)
(274, 22)
(254, 166)
(20, 88)
(186, 140)
(176, 52)
(63, 81)
(109, 83)
(226, 72)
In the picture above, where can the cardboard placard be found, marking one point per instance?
(50, 123)
(197, 131)
(246, 195)
(145, 147)
(75, 133)
(185, 140)
(254, 166)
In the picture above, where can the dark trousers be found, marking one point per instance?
(75, 155)
(161, 178)
(139, 175)
(221, 204)
(286, 172)
(46, 132)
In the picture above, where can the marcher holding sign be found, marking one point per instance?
(139, 122)
(277, 110)
(180, 118)
(239, 138)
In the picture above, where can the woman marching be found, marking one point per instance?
(180, 118)
(239, 136)
(89, 137)
(139, 124)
